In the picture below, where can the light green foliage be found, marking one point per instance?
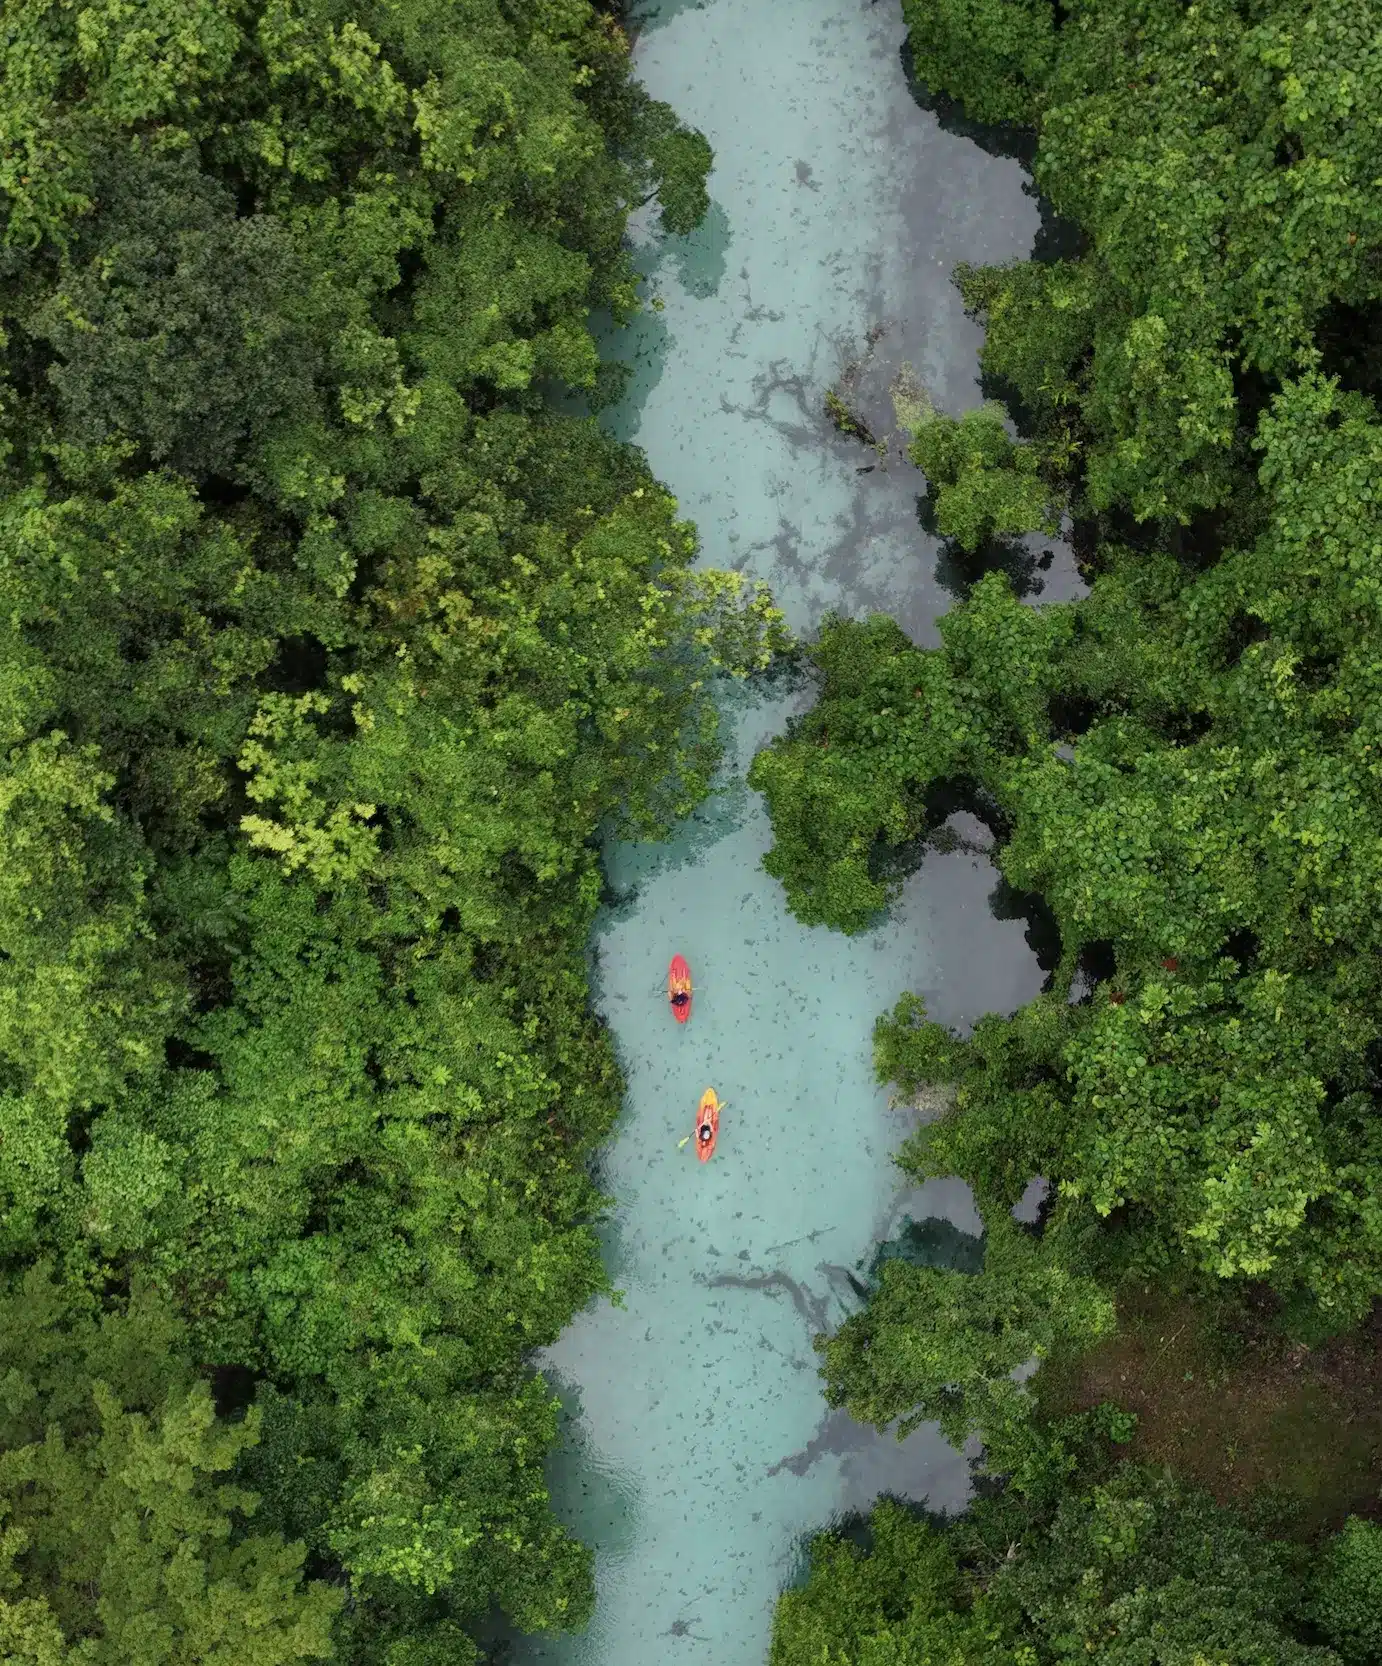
(1138, 1568)
(936, 1345)
(330, 651)
(983, 484)
(1124, 1571)
(123, 1541)
(895, 1604)
(1347, 1599)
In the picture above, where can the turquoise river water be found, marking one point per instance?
(697, 1450)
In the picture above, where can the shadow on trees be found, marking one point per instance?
(1350, 344)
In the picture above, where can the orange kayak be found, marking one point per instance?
(707, 1125)
(679, 989)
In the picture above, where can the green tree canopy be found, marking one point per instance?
(1126, 1570)
(332, 647)
(1182, 766)
(1220, 160)
(121, 1541)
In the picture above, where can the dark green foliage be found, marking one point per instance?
(993, 55)
(329, 650)
(1245, 1136)
(120, 1530)
(174, 320)
(1347, 1601)
(1124, 1571)
(893, 721)
(1220, 159)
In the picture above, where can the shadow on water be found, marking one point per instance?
(609, 1229)
(1058, 237)
(944, 801)
(597, 1501)
(699, 258)
(932, 1242)
(999, 139)
(632, 358)
(1039, 566)
(1026, 562)
(1042, 933)
(953, 812)
(637, 354)
(874, 1465)
(642, 17)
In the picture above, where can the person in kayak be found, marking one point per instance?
(705, 1132)
(681, 1000)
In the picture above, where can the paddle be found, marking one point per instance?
(681, 1144)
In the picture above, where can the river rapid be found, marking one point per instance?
(697, 1451)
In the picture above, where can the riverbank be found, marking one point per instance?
(699, 1454)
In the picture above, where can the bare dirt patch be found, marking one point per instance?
(1227, 1402)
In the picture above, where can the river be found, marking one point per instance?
(697, 1451)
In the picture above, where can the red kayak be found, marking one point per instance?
(707, 1125)
(679, 989)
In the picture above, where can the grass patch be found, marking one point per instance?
(1227, 1402)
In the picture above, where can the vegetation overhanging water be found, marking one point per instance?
(333, 638)
(698, 1450)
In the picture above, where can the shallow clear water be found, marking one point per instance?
(698, 1451)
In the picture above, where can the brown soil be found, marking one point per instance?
(1231, 1405)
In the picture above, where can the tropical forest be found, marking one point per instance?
(445, 575)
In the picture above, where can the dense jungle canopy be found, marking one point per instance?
(329, 647)
(332, 641)
(1130, 1569)
(1183, 775)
